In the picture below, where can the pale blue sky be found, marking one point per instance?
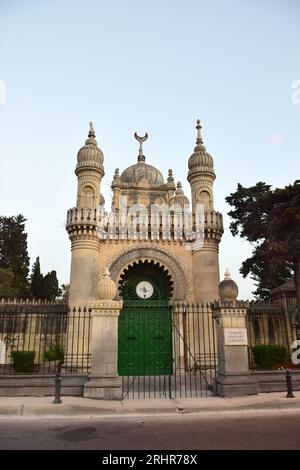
(152, 66)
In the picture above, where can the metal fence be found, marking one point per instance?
(266, 324)
(192, 362)
(55, 334)
(51, 337)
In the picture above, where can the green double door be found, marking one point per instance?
(145, 338)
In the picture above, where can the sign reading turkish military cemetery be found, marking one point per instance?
(235, 336)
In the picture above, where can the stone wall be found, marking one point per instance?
(41, 385)
(72, 384)
(274, 381)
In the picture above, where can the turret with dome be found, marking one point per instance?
(90, 154)
(90, 171)
(201, 174)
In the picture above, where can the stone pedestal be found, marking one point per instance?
(233, 368)
(104, 382)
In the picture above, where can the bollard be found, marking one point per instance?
(289, 384)
(58, 380)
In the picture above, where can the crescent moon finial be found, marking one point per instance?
(140, 139)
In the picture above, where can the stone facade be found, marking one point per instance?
(100, 240)
(150, 233)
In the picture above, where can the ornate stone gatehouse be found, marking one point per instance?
(157, 246)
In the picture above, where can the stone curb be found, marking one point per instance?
(73, 410)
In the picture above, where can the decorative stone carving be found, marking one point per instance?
(228, 289)
(181, 275)
(107, 289)
(106, 308)
(99, 237)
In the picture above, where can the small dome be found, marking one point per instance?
(90, 152)
(179, 198)
(107, 289)
(200, 159)
(228, 289)
(141, 170)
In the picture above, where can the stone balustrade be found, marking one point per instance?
(173, 225)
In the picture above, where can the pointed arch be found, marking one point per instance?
(180, 275)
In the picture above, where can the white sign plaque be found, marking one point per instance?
(235, 336)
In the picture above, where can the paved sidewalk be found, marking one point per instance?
(84, 407)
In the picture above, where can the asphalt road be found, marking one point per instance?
(238, 430)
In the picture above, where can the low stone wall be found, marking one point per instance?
(274, 380)
(41, 385)
(72, 384)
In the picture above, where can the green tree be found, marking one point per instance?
(266, 272)
(14, 253)
(270, 221)
(36, 281)
(51, 288)
(7, 289)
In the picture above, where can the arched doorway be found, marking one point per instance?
(145, 325)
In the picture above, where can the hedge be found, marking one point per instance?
(23, 361)
(266, 356)
(54, 354)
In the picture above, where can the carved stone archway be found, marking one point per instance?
(181, 277)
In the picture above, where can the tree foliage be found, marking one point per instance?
(270, 221)
(36, 280)
(14, 255)
(43, 287)
(7, 288)
(14, 265)
(51, 288)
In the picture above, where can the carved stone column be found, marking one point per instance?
(104, 382)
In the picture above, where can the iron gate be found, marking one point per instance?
(187, 368)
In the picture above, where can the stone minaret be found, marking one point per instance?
(201, 176)
(82, 222)
(89, 171)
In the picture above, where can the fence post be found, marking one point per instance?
(233, 378)
(104, 382)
